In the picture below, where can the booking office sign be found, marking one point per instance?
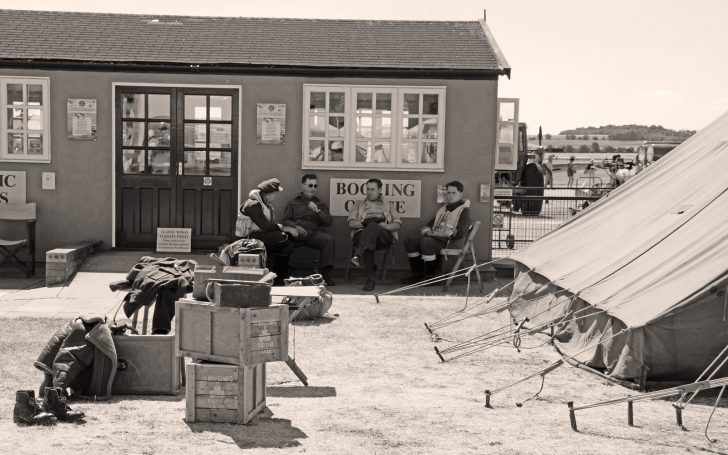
(403, 195)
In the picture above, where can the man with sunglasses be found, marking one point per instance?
(308, 215)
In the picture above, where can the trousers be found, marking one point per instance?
(427, 247)
(323, 242)
(373, 237)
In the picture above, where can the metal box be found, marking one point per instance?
(224, 393)
(237, 336)
(146, 365)
(206, 272)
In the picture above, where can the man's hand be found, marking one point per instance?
(427, 232)
(291, 231)
(302, 232)
(356, 224)
(313, 207)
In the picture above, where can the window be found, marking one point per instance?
(25, 120)
(364, 127)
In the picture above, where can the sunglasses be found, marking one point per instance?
(312, 185)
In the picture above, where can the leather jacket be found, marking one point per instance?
(151, 274)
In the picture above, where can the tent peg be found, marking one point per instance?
(487, 400)
(428, 328)
(572, 416)
(678, 417)
(630, 414)
(376, 297)
(437, 351)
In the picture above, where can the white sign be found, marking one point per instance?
(12, 187)
(81, 118)
(174, 240)
(503, 192)
(404, 195)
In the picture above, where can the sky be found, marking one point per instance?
(574, 62)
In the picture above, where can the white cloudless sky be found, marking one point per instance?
(575, 62)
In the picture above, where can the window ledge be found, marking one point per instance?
(372, 169)
(34, 161)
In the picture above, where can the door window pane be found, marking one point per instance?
(159, 135)
(220, 136)
(429, 104)
(315, 150)
(194, 162)
(159, 162)
(317, 102)
(220, 163)
(364, 103)
(35, 144)
(221, 107)
(336, 102)
(411, 104)
(133, 133)
(196, 135)
(133, 161)
(132, 105)
(35, 119)
(158, 106)
(336, 151)
(16, 144)
(15, 119)
(195, 107)
(15, 93)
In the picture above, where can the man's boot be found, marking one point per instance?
(28, 410)
(430, 268)
(417, 267)
(326, 274)
(55, 403)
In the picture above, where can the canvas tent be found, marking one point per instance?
(639, 279)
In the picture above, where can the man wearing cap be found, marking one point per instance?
(308, 215)
(373, 227)
(257, 221)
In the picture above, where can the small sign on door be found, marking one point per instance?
(207, 181)
(174, 240)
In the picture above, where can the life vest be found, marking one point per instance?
(446, 222)
(244, 226)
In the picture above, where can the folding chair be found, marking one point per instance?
(461, 252)
(388, 254)
(9, 249)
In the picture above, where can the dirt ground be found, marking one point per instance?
(376, 386)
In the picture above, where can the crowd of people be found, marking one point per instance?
(373, 224)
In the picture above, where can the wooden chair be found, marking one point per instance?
(388, 255)
(461, 253)
(10, 248)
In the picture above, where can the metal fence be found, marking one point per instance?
(523, 215)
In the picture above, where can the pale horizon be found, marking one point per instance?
(575, 64)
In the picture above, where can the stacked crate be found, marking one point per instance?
(229, 347)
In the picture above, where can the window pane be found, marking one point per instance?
(133, 133)
(363, 152)
(220, 136)
(15, 118)
(316, 125)
(384, 103)
(195, 162)
(133, 161)
(382, 152)
(317, 102)
(35, 94)
(16, 144)
(411, 103)
(132, 105)
(363, 127)
(429, 129)
(196, 135)
(429, 104)
(159, 162)
(15, 93)
(221, 107)
(196, 107)
(35, 119)
(35, 144)
(336, 126)
(315, 150)
(383, 127)
(429, 152)
(410, 127)
(336, 151)
(364, 103)
(158, 106)
(220, 163)
(158, 134)
(507, 110)
(409, 152)
(336, 102)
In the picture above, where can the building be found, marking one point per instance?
(135, 122)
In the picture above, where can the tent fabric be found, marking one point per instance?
(649, 258)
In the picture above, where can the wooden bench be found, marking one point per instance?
(9, 249)
(460, 254)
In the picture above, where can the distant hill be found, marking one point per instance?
(629, 133)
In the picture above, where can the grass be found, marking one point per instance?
(375, 387)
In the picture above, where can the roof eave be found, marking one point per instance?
(505, 67)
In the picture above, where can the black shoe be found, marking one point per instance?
(355, 261)
(412, 279)
(55, 403)
(326, 274)
(28, 410)
(368, 286)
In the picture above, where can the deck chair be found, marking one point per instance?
(461, 253)
(9, 249)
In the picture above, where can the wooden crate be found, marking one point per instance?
(237, 336)
(206, 272)
(224, 393)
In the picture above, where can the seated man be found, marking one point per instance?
(307, 214)
(450, 223)
(373, 227)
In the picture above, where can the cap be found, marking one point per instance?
(270, 186)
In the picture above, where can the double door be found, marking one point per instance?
(176, 164)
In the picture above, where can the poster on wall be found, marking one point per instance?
(12, 187)
(403, 195)
(81, 119)
(271, 123)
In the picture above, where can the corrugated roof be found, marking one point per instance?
(240, 41)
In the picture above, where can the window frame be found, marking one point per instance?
(350, 131)
(6, 157)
